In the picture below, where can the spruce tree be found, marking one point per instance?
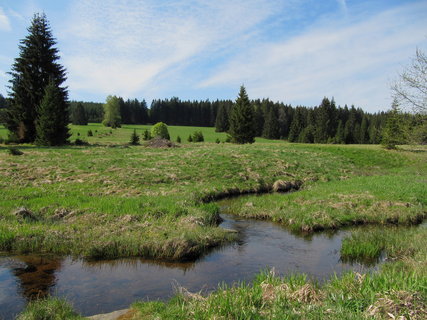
(31, 72)
(78, 115)
(52, 121)
(242, 119)
(394, 131)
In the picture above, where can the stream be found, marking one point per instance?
(95, 287)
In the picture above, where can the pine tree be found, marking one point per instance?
(52, 122)
(31, 73)
(394, 131)
(79, 116)
(242, 119)
(112, 117)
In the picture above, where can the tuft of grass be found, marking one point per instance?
(49, 309)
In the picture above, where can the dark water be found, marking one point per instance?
(100, 287)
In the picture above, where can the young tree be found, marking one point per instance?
(31, 72)
(394, 131)
(160, 130)
(134, 138)
(79, 116)
(242, 119)
(112, 116)
(52, 122)
(411, 87)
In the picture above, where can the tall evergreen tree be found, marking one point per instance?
(79, 116)
(242, 119)
(31, 72)
(52, 121)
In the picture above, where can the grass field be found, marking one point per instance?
(106, 135)
(110, 200)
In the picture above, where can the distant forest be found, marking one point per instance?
(326, 123)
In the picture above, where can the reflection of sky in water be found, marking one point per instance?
(98, 287)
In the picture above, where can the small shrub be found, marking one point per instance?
(79, 142)
(78, 134)
(198, 136)
(178, 139)
(134, 138)
(15, 151)
(217, 140)
(160, 130)
(190, 138)
(1, 139)
(89, 133)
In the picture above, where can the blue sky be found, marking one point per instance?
(287, 50)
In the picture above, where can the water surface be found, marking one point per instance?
(105, 286)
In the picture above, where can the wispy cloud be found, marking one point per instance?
(123, 48)
(4, 21)
(351, 59)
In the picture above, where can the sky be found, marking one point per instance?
(293, 51)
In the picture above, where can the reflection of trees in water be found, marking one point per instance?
(36, 275)
(136, 263)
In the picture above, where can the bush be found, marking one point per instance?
(198, 136)
(217, 140)
(15, 151)
(190, 138)
(178, 139)
(160, 130)
(89, 133)
(79, 142)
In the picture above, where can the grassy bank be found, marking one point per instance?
(109, 201)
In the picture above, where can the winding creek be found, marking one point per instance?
(105, 286)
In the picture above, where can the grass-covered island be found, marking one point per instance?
(109, 200)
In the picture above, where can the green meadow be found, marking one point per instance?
(109, 200)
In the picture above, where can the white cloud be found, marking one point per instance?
(4, 21)
(352, 61)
